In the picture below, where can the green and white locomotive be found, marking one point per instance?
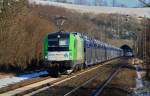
(65, 52)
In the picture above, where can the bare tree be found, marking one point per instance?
(145, 3)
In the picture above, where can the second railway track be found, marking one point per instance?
(77, 84)
(38, 87)
(94, 85)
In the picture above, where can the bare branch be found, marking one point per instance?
(146, 4)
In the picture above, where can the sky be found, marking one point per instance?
(128, 3)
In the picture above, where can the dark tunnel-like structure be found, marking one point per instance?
(126, 49)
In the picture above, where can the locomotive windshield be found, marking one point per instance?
(63, 42)
(58, 42)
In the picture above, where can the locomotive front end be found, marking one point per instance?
(58, 51)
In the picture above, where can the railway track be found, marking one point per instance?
(67, 79)
(74, 86)
(93, 90)
(37, 87)
(101, 87)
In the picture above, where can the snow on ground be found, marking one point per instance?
(12, 80)
(138, 12)
(139, 81)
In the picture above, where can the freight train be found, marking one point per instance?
(66, 52)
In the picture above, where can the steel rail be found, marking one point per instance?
(66, 79)
(90, 80)
(43, 85)
(101, 87)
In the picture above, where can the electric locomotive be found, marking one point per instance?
(65, 52)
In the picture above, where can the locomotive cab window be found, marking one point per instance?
(53, 42)
(64, 42)
(58, 42)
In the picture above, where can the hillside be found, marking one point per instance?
(23, 27)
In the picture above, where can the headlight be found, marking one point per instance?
(46, 57)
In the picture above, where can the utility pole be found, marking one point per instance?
(105, 30)
(111, 25)
(144, 40)
(118, 25)
(145, 55)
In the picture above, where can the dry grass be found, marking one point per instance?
(22, 33)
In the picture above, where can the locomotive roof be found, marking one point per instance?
(59, 33)
(75, 33)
